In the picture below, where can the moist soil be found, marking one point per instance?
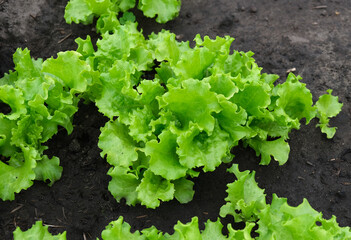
(310, 37)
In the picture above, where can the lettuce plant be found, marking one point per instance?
(199, 104)
(164, 128)
(174, 111)
(42, 96)
(84, 11)
(247, 203)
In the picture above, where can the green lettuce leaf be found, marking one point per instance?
(279, 220)
(48, 169)
(6, 148)
(69, 69)
(184, 191)
(194, 102)
(118, 98)
(14, 98)
(328, 106)
(83, 11)
(15, 178)
(295, 100)
(198, 149)
(277, 148)
(117, 144)
(186, 231)
(154, 188)
(245, 199)
(164, 160)
(120, 230)
(124, 185)
(164, 9)
(37, 232)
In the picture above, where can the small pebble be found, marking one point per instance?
(253, 10)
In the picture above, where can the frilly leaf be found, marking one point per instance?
(164, 9)
(328, 106)
(164, 160)
(37, 231)
(154, 188)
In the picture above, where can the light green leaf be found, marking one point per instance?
(78, 11)
(192, 103)
(279, 220)
(164, 9)
(85, 47)
(48, 169)
(6, 148)
(242, 234)
(164, 160)
(123, 184)
(328, 106)
(188, 231)
(69, 69)
(150, 90)
(120, 230)
(16, 178)
(254, 99)
(232, 119)
(140, 128)
(198, 149)
(37, 232)
(185, 67)
(213, 230)
(222, 84)
(164, 46)
(278, 148)
(107, 23)
(119, 44)
(295, 100)
(220, 45)
(14, 98)
(154, 188)
(125, 5)
(117, 97)
(184, 191)
(25, 66)
(244, 195)
(27, 133)
(117, 144)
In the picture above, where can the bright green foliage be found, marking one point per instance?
(247, 203)
(120, 230)
(183, 190)
(84, 11)
(187, 116)
(37, 232)
(200, 103)
(164, 127)
(154, 188)
(18, 174)
(164, 9)
(41, 96)
(244, 196)
(164, 160)
(327, 106)
(124, 185)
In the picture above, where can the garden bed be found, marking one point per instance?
(311, 39)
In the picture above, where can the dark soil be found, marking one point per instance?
(311, 36)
